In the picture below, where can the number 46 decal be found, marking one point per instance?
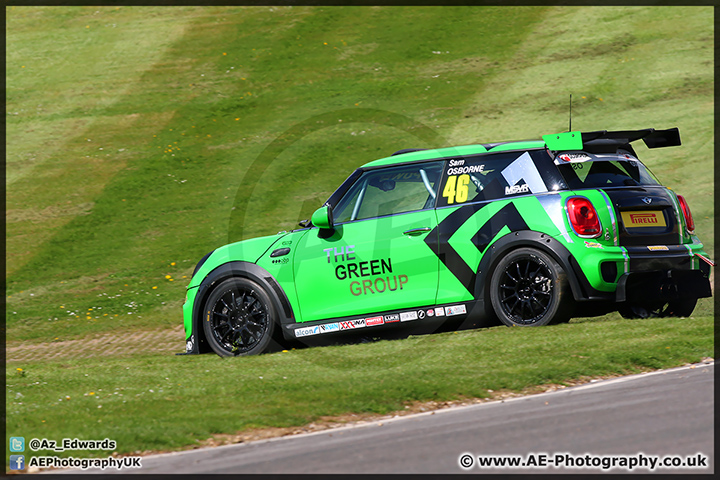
(522, 168)
(456, 188)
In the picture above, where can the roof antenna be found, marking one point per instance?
(570, 125)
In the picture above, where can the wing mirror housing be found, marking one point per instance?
(323, 217)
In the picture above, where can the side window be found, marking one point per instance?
(390, 191)
(491, 177)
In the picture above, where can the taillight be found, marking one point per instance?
(689, 222)
(583, 217)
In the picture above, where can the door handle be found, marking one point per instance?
(413, 232)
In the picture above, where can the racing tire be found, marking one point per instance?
(529, 288)
(239, 318)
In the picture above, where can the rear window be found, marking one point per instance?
(606, 173)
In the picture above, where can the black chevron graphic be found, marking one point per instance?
(508, 215)
(438, 239)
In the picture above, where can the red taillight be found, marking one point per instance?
(689, 222)
(583, 217)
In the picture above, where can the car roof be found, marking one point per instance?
(450, 152)
(601, 141)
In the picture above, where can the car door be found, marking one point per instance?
(376, 257)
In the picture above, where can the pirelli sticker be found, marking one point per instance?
(640, 219)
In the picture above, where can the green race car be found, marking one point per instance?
(528, 233)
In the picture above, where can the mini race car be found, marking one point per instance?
(529, 233)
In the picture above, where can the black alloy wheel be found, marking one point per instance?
(239, 318)
(529, 288)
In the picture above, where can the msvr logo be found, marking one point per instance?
(515, 189)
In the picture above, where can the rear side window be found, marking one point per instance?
(497, 176)
(606, 173)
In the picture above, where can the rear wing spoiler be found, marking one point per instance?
(603, 141)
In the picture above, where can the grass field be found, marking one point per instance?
(141, 138)
(163, 402)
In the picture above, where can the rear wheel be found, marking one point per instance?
(239, 318)
(529, 288)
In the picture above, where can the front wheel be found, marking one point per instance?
(239, 318)
(529, 288)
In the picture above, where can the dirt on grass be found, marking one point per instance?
(171, 340)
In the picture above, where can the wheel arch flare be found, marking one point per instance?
(196, 342)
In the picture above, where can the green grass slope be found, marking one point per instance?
(151, 402)
(134, 133)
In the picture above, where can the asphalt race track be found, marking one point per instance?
(659, 414)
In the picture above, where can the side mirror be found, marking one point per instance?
(323, 217)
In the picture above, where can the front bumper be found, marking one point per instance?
(192, 346)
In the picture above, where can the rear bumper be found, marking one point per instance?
(662, 286)
(664, 272)
(674, 274)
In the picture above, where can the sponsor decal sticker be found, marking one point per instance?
(330, 327)
(655, 248)
(373, 276)
(421, 314)
(304, 332)
(573, 157)
(593, 245)
(515, 189)
(374, 321)
(643, 219)
(393, 317)
(440, 311)
(352, 324)
(406, 316)
(455, 310)
(431, 313)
